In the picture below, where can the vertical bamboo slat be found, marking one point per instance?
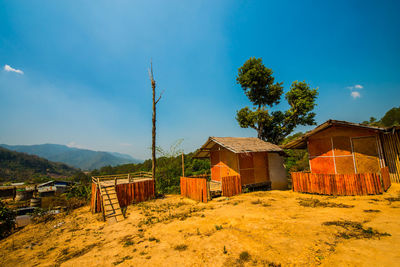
(194, 188)
(341, 184)
(231, 185)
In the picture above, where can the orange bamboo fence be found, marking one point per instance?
(231, 185)
(95, 204)
(194, 188)
(386, 178)
(127, 193)
(339, 184)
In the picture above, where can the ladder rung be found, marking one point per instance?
(109, 204)
(113, 214)
(113, 198)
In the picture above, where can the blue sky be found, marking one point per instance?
(83, 77)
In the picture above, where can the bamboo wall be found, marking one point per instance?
(194, 188)
(339, 184)
(391, 149)
(385, 178)
(231, 185)
(223, 163)
(127, 194)
(252, 167)
(344, 150)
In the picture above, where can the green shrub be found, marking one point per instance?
(7, 220)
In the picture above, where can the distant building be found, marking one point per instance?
(53, 187)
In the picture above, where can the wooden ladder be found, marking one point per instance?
(111, 209)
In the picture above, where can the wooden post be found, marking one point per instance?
(183, 166)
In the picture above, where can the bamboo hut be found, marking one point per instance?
(340, 147)
(258, 163)
(348, 159)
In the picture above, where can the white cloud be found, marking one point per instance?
(355, 94)
(355, 87)
(8, 68)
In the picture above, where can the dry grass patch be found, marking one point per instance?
(181, 247)
(371, 211)
(355, 230)
(67, 254)
(122, 260)
(315, 203)
(393, 199)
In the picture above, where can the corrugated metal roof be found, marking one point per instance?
(301, 142)
(237, 145)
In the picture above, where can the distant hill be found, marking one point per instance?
(19, 167)
(79, 158)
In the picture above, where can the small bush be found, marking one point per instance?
(42, 216)
(80, 191)
(128, 243)
(255, 202)
(181, 247)
(218, 227)
(122, 260)
(7, 220)
(154, 239)
(244, 256)
(74, 203)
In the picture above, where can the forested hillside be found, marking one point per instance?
(79, 158)
(20, 167)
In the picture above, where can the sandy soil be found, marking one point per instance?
(272, 227)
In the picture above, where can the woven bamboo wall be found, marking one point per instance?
(391, 149)
(223, 163)
(344, 150)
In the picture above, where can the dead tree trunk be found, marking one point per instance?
(153, 132)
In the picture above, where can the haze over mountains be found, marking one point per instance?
(83, 159)
(22, 167)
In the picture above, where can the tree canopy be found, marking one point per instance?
(391, 118)
(260, 87)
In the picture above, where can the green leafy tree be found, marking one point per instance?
(7, 220)
(296, 159)
(391, 118)
(373, 122)
(263, 92)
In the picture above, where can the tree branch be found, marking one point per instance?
(160, 96)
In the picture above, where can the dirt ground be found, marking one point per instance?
(255, 229)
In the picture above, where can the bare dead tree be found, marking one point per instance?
(153, 133)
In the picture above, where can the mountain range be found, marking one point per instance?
(21, 167)
(83, 159)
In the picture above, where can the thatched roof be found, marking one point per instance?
(301, 142)
(237, 145)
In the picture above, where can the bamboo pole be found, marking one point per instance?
(183, 165)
